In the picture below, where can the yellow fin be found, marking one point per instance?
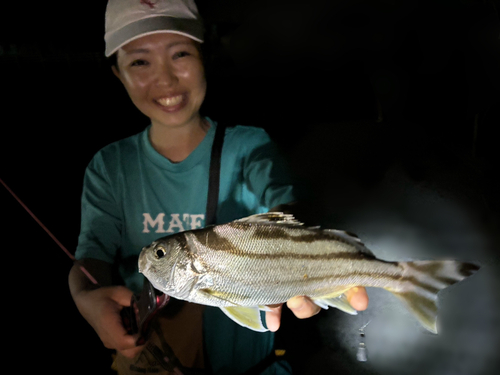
(264, 308)
(338, 301)
(423, 308)
(248, 317)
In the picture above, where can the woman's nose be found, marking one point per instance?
(166, 75)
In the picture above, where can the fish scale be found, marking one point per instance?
(244, 271)
(269, 258)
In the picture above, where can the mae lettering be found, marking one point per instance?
(175, 224)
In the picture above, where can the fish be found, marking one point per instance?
(245, 265)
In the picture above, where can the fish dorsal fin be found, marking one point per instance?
(352, 239)
(348, 236)
(270, 218)
(281, 218)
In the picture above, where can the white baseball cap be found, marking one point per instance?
(127, 20)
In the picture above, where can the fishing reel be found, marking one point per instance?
(137, 317)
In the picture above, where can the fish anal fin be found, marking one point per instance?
(337, 300)
(248, 317)
(424, 308)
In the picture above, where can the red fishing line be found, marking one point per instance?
(89, 276)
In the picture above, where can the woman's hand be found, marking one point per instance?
(304, 307)
(101, 308)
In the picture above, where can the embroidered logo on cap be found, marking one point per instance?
(149, 3)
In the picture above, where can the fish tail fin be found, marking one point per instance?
(421, 282)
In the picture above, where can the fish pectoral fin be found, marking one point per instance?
(204, 281)
(264, 308)
(248, 317)
(213, 294)
(340, 302)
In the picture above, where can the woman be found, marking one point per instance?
(155, 183)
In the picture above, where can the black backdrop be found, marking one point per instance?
(348, 90)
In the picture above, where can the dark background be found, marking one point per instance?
(387, 111)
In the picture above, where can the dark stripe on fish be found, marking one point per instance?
(420, 284)
(352, 275)
(434, 268)
(211, 239)
(280, 233)
(430, 267)
(214, 241)
(328, 283)
(181, 238)
(296, 256)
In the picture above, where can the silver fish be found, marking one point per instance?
(265, 259)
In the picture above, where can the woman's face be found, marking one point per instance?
(164, 76)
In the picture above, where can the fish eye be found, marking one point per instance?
(160, 252)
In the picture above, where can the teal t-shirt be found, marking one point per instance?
(132, 195)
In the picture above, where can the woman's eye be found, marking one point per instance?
(181, 54)
(139, 63)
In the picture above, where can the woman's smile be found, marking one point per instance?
(173, 103)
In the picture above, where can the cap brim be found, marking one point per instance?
(190, 28)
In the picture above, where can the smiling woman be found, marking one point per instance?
(163, 172)
(164, 77)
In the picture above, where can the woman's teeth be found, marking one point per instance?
(169, 102)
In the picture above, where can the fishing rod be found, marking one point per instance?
(63, 248)
(137, 317)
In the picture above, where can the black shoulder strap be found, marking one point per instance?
(214, 175)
